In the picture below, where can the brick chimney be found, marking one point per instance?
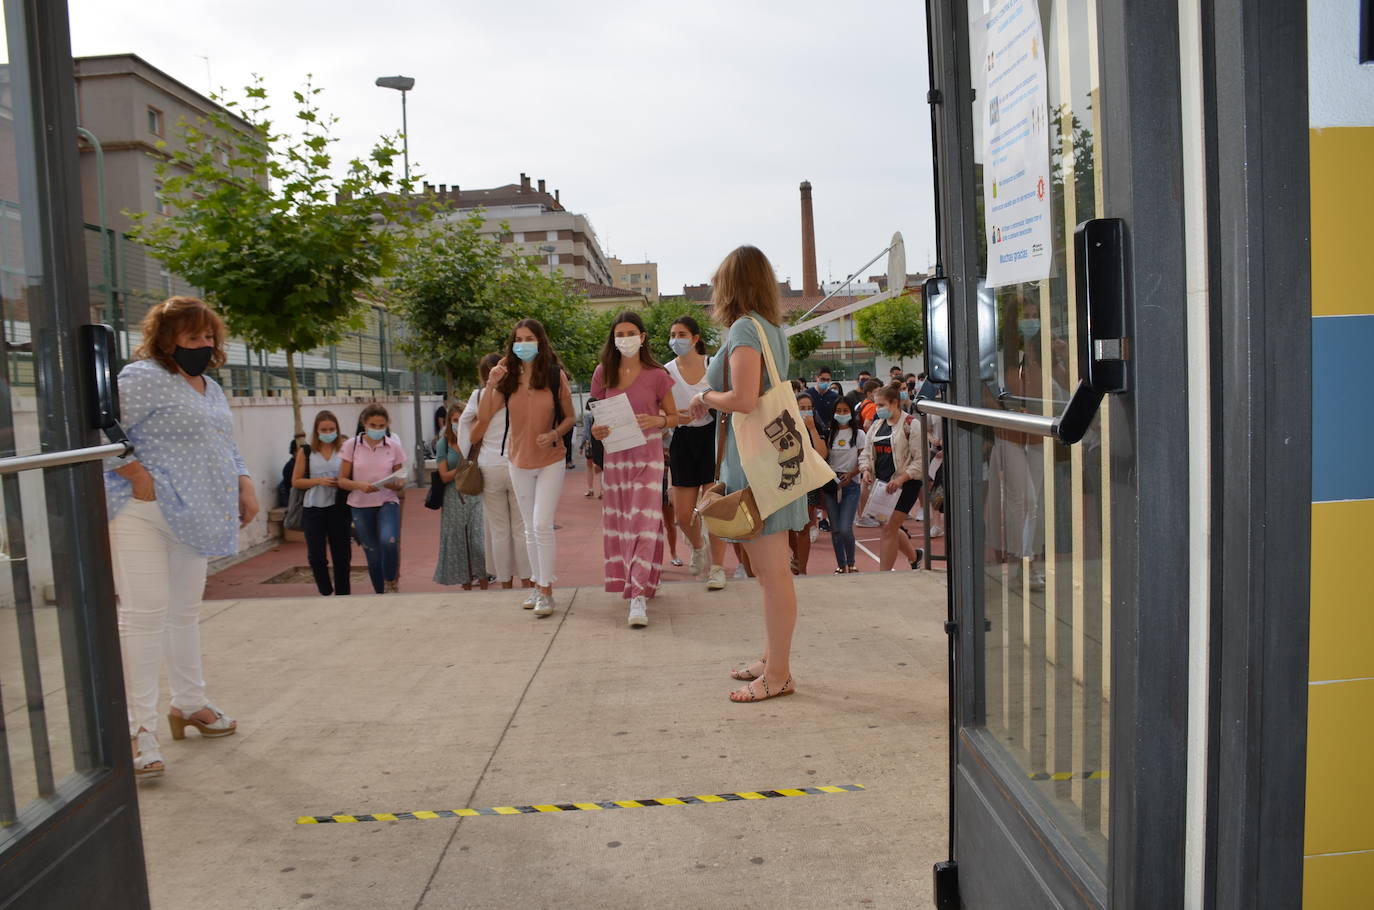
(524, 182)
(556, 197)
(541, 186)
(443, 190)
(810, 286)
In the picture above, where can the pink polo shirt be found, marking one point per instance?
(371, 465)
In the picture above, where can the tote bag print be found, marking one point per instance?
(774, 447)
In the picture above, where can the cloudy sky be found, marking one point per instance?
(680, 129)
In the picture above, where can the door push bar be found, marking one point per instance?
(1100, 283)
(102, 409)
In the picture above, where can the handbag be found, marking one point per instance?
(469, 476)
(434, 499)
(732, 516)
(774, 446)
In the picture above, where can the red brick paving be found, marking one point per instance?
(579, 552)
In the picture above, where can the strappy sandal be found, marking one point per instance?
(743, 674)
(839, 570)
(220, 726)
(146, 755)
(747, 693)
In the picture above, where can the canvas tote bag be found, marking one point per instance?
(774, 447)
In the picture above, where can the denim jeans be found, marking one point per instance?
(378, 529)
(841, 516)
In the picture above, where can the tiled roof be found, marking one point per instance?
(599, 291)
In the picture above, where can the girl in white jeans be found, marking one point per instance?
(180, 498)
(530, 385)
(507, 555)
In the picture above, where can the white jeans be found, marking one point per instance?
(507, 552)
(159, 584)
(537, 491)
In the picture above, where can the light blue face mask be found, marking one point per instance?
(376, 435)
(843, 419)
(905, 396)
(328, 437)
(680, 346)
(822, 384)
(1029, 327)
(526, 350)
(882, 413)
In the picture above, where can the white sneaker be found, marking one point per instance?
(937, 531)
(815, 532)
(716, 580)
(740, 574)
(531, 598)
(920, 514)
(866, 521)
(639, 613)
(700, 557)
(543, 605)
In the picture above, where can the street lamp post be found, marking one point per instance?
(404, 84)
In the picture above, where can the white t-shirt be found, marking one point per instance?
(489, 455)
(684, 391)
(844, 456)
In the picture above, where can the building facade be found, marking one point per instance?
(640, 277)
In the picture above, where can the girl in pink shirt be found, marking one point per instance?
(367, 461)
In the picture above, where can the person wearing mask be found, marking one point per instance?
(368, 472)
(823, 396)
(530, 385)
(462, 552)
(800, 541)
(507, 557)
(893, 448)
(855, 396)
(692, 453)
(176, 500)
(632, 533)
(847, 453)
(746, 286)
(327, 521)
(894, 375)
(869, 406)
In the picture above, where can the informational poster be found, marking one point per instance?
(1016, 145)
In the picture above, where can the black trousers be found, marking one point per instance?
(331, 527)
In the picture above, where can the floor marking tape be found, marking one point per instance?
(1067, 775)
(577, 807)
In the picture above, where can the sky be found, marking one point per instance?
(680, 129)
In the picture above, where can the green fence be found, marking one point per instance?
(125, 282)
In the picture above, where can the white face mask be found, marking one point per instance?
(628, 347)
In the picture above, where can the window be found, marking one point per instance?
(159, 201)
(1367, 31)
(155, 121)
(221, 156)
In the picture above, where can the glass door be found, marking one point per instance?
(1060, 613)
(69, 831)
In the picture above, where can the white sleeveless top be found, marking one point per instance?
(684, 391)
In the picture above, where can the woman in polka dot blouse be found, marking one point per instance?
(179, 498)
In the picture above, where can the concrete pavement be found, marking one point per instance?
(443, 701)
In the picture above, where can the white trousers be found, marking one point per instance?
(159, 584)
(1018, 475)
(537, 491)
(507, 552)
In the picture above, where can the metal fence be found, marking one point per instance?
(125, 282)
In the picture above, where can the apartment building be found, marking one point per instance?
(536, 223)
(640, 277)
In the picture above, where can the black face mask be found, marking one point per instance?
(193, 360)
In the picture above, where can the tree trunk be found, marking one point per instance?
(295, 394)
(448, 385)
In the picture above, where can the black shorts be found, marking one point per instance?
(692, 456)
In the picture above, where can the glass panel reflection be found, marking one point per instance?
(1046, 658)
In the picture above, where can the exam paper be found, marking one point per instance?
(617, 413)
(881, 502)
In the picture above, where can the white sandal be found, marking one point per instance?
(220, 726)
(147, 753)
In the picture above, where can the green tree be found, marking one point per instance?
(283, 249)
(895, 328)
(803, 344)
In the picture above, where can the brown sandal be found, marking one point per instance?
(743, 674)
(747, 693)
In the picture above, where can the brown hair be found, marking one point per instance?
(872, 385)
(315, 430)
(541, 367)
(167, 321)
(690, 324)
(890, 392)
(451, 437)
(375, 410)
(611, 356)
(743, 284)
(485, 364)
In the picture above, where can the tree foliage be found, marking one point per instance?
(284, 250)
(895, 328)
(803, 344)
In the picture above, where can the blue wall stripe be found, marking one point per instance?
(1342, 408)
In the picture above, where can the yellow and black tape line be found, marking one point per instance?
(576, 807)
(1067, 775)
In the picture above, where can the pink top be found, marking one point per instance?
(645, 393)
(371, 465)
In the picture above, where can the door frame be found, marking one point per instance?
(994, 812)
(85, 839)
